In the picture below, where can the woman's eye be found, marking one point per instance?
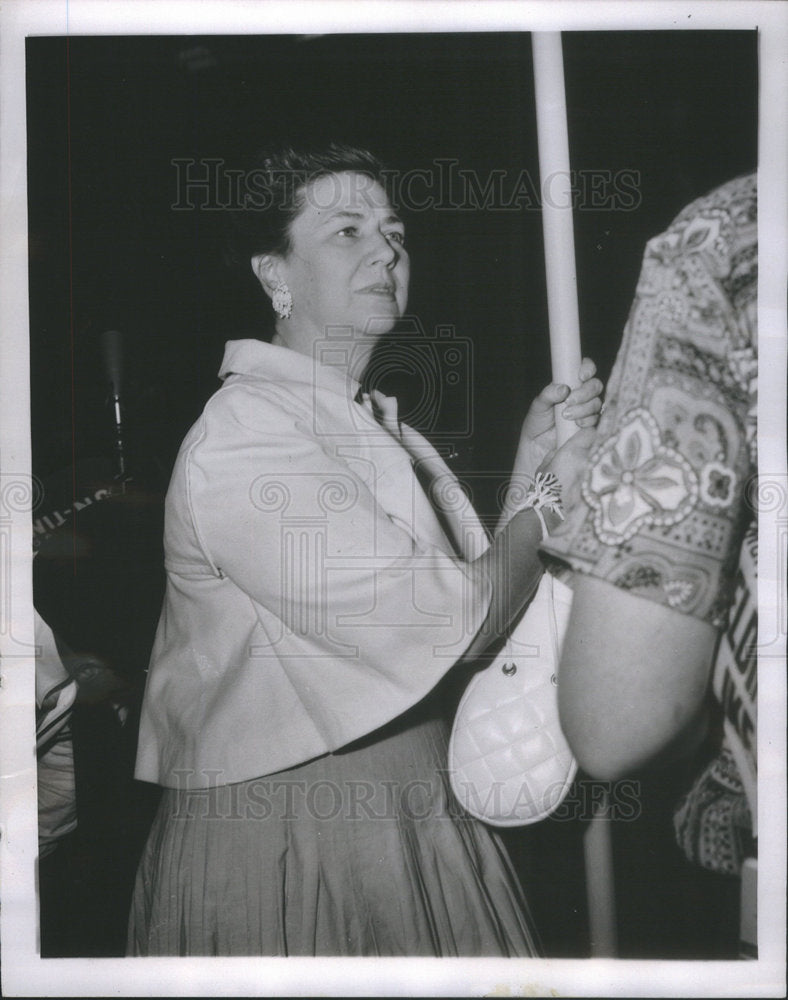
(348, 231)
(397, 237)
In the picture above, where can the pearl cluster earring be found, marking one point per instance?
(282, 300)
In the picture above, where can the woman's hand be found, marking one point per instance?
(568, 464)
(538, 436)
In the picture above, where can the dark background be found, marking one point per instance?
(106, 118)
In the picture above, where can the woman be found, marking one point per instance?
(315, 599)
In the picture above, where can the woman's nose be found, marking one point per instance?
(383, 251)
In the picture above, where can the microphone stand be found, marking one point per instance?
(119, 449)
(113, 364)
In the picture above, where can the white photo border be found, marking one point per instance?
(24, 973)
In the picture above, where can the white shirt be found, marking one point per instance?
(312, 594)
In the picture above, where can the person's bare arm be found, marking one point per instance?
(632, 679)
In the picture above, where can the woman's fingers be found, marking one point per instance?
(582, 409)
(540, 418)
(550, 396)
(583, 403)
(559, 392)
(591, 421)
(585, 392)
(577, 409)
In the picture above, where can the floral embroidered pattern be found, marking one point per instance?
(744, 368)
(679, 356)
(717, 485)
(634, 480)
(751, 539)
(638, 578)
(689, 360)
(679, 592)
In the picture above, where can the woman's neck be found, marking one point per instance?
(348, 354)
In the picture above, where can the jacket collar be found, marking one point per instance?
(270, 361)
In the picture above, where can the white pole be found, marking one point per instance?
(600, 882)
(559, 249)
(556, 190)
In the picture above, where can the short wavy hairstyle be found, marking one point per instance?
(274, 185)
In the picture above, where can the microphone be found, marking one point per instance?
(112, 355)
(112, 350)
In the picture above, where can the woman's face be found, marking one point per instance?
(348, 266)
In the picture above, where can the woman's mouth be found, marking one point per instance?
(382, 289)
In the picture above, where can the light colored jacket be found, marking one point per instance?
(312, 593)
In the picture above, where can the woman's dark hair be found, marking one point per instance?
(272, 192)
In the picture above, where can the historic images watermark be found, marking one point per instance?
(210, 184)
(203, 795)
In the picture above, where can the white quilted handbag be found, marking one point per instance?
(509, 763)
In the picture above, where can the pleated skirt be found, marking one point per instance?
(357, 853)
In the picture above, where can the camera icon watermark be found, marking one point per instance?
(437, 364)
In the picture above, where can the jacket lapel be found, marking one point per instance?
(440, 500)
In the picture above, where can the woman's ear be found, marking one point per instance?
(265, 267)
